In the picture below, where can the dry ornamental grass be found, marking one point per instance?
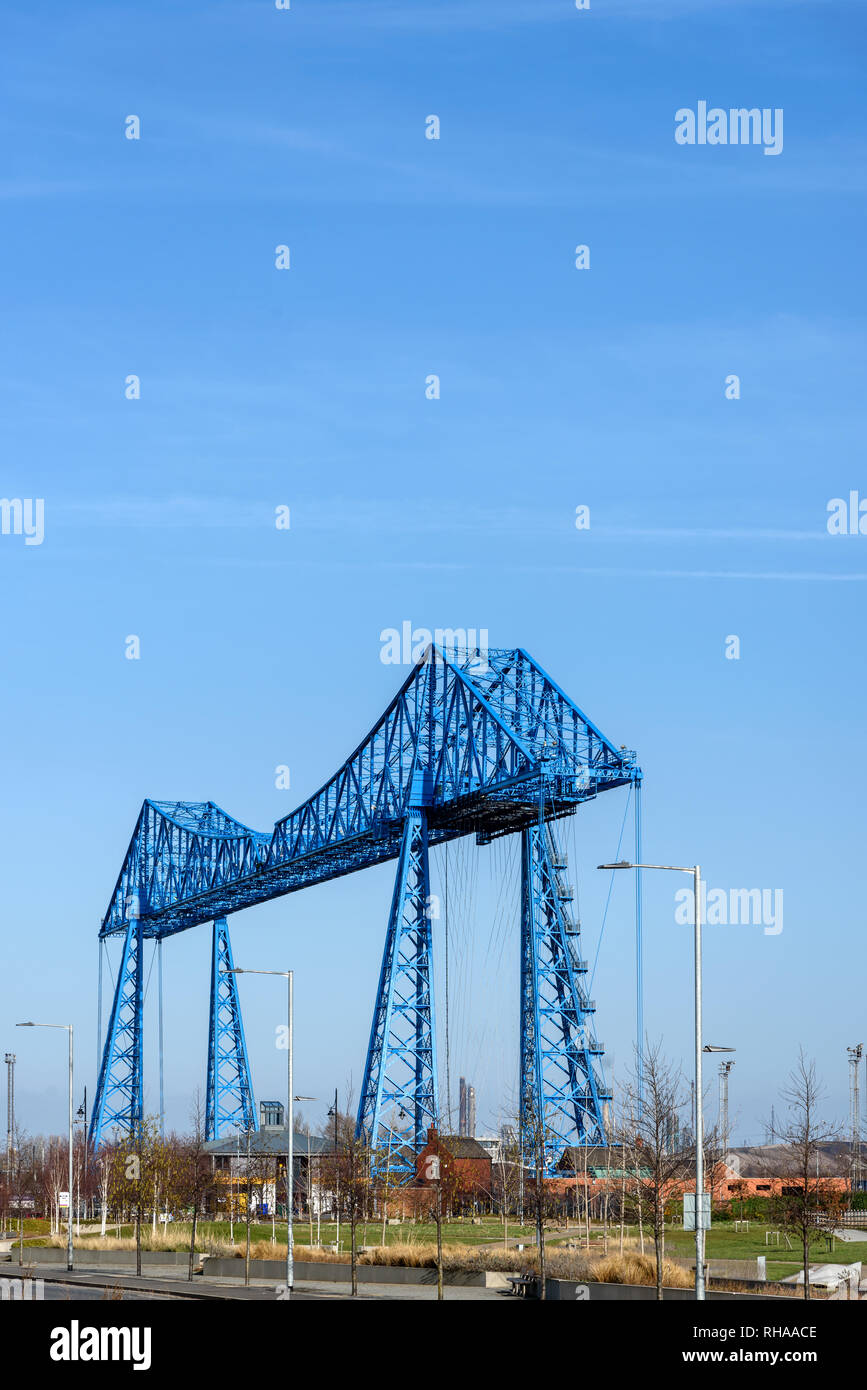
(629, 1268)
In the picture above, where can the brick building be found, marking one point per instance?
(465, 1167)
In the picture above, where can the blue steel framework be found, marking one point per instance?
(473, 743)
(229, 1103)
(118, 1104)
(562, 1097)
(400, 1075)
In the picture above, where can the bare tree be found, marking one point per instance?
(438, 1171)
(805, 1194)
(333, 1164)
(21, 1175)
(350, 1166)
(357, 1186)
(55, 1176)
(661, 1163)
(194, 1178)
(534, 1134)
(505, 1176)
(141, 1170)
(104, 1163)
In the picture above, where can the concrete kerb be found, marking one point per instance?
(573, 1291)
(42, 1254)
(159, 1286)
(327, 1271)
(272, 1271)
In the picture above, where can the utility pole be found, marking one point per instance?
(336, 1172)
(70, 1030)
(82, 1116)
(10, 1109)
(855, 1055)
(724, 1069)
(697, 1101)
(247, 1214)
(439, 1229)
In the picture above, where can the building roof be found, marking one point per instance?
(269, 1141)
(575, 1156)
(779, 1160)
(461, 1146)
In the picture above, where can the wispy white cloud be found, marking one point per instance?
(165, 512)
(820, 576)
(708, 533)
(43, 188)
(695, 9)
(435, 15)
(490, 564)
(491, 15)
(368, 516)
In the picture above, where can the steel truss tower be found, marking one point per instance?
(399, 1093)
(229, 1102)
(118, 1104)
(562, 1097)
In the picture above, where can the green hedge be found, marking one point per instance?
(750, 1208)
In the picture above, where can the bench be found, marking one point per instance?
(520, 1283)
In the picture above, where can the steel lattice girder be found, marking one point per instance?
(229, 1103)
(479, 738)
(562, 1097)
(400, 1075)
(118, 1102)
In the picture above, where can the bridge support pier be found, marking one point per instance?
(398, 1100)
(229, 1102)
(118, 1103)
(562, 1097)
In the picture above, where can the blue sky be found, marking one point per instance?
(559, 388)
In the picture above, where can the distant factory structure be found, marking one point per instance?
(467, 1111)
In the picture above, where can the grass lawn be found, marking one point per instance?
(410, 1232)
(723, 1242)
(34, 1227)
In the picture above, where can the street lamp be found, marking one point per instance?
(290, 1158)
(81, 1118)
(333, 1112)
(68, 1027)
(699, 1119)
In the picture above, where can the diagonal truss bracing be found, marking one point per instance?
(118, 1104)
(398, 1100)
(562, 1093)
(483, 734)
(229, 1104)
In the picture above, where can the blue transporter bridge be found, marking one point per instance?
(474, 743)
